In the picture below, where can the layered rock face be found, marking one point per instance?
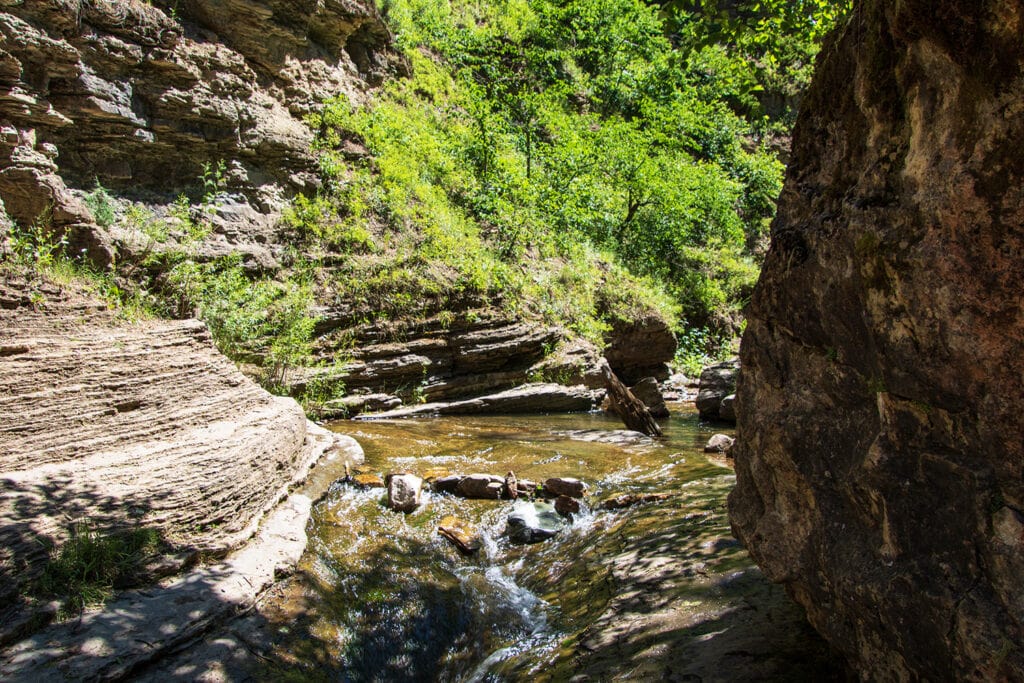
(125, 425)
(141, 95)
(473, 353)
(881, 447)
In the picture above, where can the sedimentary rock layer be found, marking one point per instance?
(142, 95)
(129, 424)
(881, 447)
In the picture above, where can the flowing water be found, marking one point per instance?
(380, 596)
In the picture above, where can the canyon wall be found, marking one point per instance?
(881, 447)
(140, 96)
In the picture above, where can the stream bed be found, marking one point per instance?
(657, 591)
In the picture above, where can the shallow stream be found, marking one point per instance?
(379, 595)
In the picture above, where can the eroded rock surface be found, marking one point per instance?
(130, 424)
(142, 95)
(881, 449)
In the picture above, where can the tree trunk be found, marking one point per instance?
(631, 409)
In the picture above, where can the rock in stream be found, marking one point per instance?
(533, 522)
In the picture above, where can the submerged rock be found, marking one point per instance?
(533, 522)
(626, 500)
(717, 382)
(404, 492)
(367, 480)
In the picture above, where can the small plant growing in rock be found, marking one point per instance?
(90, 565)
(101, 206)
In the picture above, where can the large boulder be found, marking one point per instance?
(640, 348)
(880, 458)
(717, 384)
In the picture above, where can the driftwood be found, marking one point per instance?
(631, 409)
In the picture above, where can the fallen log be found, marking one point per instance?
(633, 412)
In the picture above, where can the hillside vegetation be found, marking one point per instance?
(569, 159)
(574, 163)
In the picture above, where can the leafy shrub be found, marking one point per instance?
(102, 206)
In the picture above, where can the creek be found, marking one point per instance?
(380, 596)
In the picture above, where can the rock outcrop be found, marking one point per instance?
(716, 393)
(127, 425)
(880, 458)
(141, 95)
(640, 348)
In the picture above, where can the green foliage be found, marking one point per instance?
(540, 144)
(101, 206)
(320, 221)
(37, 247)
(757, 54)
(262, 320)
(89, 565)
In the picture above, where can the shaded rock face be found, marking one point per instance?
(715, 396)
(640, 348)
(141, 95)
(881, 450)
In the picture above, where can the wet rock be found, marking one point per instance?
(527, 488)
(367, 480)
(883, 379)
(565, 486)
(719, 443)
(626, 500)
(446, 484)
(461, 534)
(566, 506)
(716, 383)
(649, 393)
(511, 490)
(486, 486)
(533, 522)
(404, 492)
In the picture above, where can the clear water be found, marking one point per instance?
(380, 596)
